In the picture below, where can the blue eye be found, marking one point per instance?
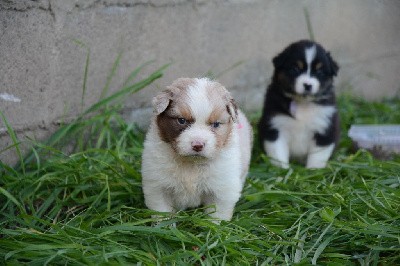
(216, 124)
(182, 121)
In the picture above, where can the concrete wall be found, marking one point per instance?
(42, 67)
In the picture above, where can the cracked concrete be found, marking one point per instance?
(83, 4)
(42, 65)
(24, 5)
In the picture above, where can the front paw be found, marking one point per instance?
(281, 164)
(162, 221)
(316, 165)
(223, 212)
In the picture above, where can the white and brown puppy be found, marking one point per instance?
(300, 119)
(197, 150)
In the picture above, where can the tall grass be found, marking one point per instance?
(77, 199)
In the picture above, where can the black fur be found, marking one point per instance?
(281, 92)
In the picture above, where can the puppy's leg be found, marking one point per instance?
(156, 200)
(319, 155)
(278, 150)
(223, 209)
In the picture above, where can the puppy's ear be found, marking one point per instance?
(232, 109)
(333, 65)
(161, 101)
(279, 60)
(231, 106)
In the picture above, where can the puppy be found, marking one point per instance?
(300, 118)
(197, 150)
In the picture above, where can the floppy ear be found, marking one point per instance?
(161, 101)
(231, 106)
(280, 59)
(334, 66)
(232, 109)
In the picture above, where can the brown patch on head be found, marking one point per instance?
(169, 127)
(224, 113)
(174, 92)
(171, 105)
(223, 133)
(300, 64)
(220, 98)
(318, 65)
(217, 115)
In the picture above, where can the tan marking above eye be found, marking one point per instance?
(300, 64)
(185, 112)
(217, 115)
(318, 66)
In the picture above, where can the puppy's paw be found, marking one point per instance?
(160, 221)
(316, 165)
(281, 164)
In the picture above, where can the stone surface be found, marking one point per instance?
(44, 44)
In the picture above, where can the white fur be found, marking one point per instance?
(278, 150)
(296, 136)
(173, 182)
(306, 78)
(318, 156)
(200, 130)
(199, 133)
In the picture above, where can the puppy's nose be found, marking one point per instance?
(197, 145)
(307, 87)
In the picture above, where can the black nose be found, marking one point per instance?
(307, 87)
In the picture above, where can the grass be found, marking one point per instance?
(77, 200)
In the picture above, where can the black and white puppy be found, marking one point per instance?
(300, 118)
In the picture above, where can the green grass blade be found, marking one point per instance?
(85, 72)
(309, 24)
(131, 89)
(320, 249)
(12, 198)
(111, 75)
(15, 141)
(135, 72)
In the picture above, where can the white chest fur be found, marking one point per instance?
(298, 131)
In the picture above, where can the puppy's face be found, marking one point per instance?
(305, 69)
(195, 116)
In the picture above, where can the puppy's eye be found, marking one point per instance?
(319, 71)
(182, 121)
(216, 124)
(295, 69)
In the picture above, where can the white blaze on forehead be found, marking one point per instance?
(198, 100)
(306, 78)
(200, 108)
(310, 55)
